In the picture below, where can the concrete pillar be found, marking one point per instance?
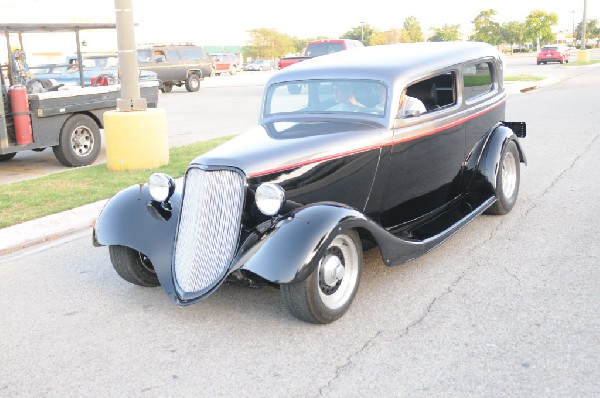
(136, 137)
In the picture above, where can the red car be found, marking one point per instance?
(553, 54)
(225, 63)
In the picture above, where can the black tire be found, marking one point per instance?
(232, 70)
(79, 141)
(7, 156)
(329, 290)
(538, 62)
(166, 88)
(133, 266)
(507, 180)
(192, 83)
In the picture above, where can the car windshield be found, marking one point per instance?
(327, 96)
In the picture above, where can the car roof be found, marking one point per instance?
(387, 62)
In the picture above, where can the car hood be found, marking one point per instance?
(279, 146)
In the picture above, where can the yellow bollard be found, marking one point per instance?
(136, 140)
(583, 56)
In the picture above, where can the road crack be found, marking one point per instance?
(349, 362)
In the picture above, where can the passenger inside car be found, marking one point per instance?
(344, 96)
(410, 106)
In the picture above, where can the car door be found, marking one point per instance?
(426, 153)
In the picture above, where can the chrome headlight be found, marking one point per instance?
(269, 198)
(161, 187)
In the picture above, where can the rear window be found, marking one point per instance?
(316, 49)
(188, 53)
(477, 80)
(549, 48)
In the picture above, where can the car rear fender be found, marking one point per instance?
(131, 218)
(489, 162)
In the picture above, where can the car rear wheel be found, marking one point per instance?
(79, 142)
(166, 88)
(232, 70)
(133, 266)
(326, 294)
(507, 180)
(192, 83)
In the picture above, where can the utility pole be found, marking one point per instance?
(583, 28)
(136, 136)
(362, 32)
(584, 54)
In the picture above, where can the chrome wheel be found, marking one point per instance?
(82, 141)
(509, 175)
(326, 294)
(338, 272)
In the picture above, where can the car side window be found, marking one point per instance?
(477, 80)
(428, 95)
(172, 55)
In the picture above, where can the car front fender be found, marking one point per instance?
(132, 218)
(289, 250)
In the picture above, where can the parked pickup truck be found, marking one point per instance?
(320, 47)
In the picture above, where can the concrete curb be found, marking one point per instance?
(46, 229)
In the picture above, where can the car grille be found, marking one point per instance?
(209, 227)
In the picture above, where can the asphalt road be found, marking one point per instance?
(507, 307)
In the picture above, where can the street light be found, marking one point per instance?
(362, 32)
(573, 31)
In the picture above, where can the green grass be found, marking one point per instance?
(523, 78)
(31, 199)
(577, 63)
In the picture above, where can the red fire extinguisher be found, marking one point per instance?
(20, 110)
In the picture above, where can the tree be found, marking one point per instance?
(486, 29)
(539, 27)
(268, 44)
(512, 33)
(362, 32)
(446, 33)
(592, 30)
(412, 27)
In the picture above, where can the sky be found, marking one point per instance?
(228, 23)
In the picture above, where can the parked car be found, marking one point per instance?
(97, 70)
(293, 202)
(225, 63)
(317, 48)
(259, 64)
(176, 65)
(553, 54)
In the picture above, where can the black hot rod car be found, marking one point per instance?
(393, 146)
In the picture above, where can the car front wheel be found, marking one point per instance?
(326, 294)
(507, 180)
(133, 266)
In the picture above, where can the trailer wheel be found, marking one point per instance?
(7, 156)
(79, 142)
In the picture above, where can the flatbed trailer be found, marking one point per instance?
(68, 119)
